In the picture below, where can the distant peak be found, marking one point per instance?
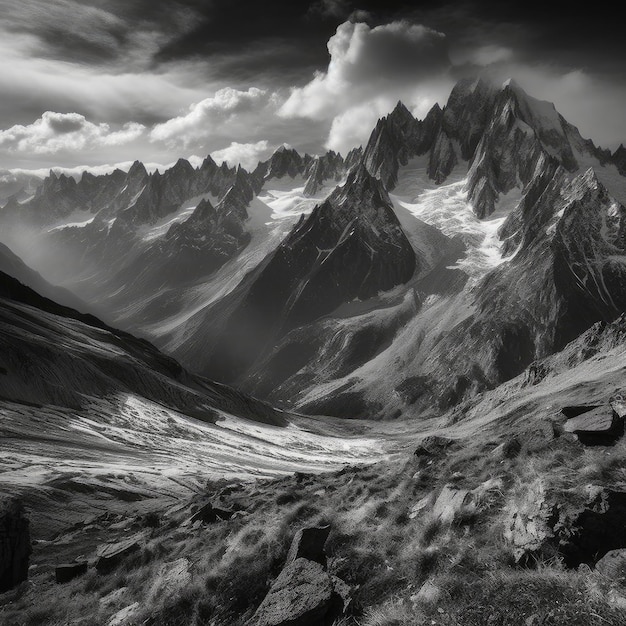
(137, 167)
(512, 83)
(400, 113)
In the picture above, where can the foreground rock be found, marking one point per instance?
(308, 543)
(111, 555)
(613, 567)
(65, 572)
(581, 526)
(209, 514)
(433, 445)
(301, 596)
(15, 548)
(595, 425)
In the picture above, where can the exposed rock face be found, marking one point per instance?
(351, 246)
(433, 445)
(581, 527)
(329, 166)
(301, 596)
(65, 572)
(565, 276)
(598, 426)
(308, 543)
(613, 566)
(110, 556)
(15, 548)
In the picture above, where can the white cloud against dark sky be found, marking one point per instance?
(108, 81)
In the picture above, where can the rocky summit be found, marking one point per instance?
(374, 388)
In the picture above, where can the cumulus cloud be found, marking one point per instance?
(202, 118)
(367, 62)
(247, 155)
(57, 132)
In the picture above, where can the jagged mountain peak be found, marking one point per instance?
(137, 169)
(401, 114)
(361, 186)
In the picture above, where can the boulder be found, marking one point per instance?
(432, 445)
(450, 502)
(308, 543)
(598, 426)
(15, 547)
(65, 572)
(529, 528)
(112, 554)
(581, 526)
(209, 514)
(613, 566)
(302, 595)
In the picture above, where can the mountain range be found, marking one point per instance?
(439, 260)
(429, 331)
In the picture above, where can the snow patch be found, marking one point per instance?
(446, 207)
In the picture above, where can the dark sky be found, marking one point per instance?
(87, 82)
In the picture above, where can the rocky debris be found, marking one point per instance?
(433, 445)
(613, 566)
(15, 546)
(125, 616)
(302, 595)
(618, 404)
(450, 502)
(580, 526)
(597, 426)
(209, 514)
(421, 505)
(530, 526)
(65, 572)
(110, 556)
(535, 373)
(308, 543)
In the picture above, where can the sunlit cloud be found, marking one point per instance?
(56, 132)
(247, 155)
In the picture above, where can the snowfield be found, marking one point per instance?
(446, 207)
(130, 453)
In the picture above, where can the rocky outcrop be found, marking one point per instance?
(15, 546)
(433, 445)
(613, 567)
(302, 595)
(581, 526)
(111, 555)
(305, 593)
(66, 572)
(328, 167)
(308, 543)
(595, 425)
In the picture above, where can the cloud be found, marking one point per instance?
(57, 132)
(202, 118)
(488, 54)
(365, 62)
(247, 155)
